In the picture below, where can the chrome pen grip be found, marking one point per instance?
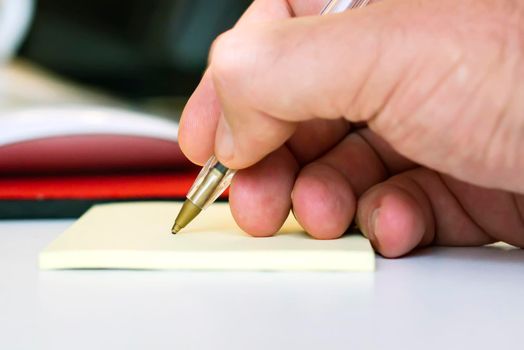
(210, 183)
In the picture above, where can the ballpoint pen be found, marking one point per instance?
(214, 177)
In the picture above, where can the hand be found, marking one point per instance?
(438, 86)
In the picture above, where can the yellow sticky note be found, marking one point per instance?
(137, 236)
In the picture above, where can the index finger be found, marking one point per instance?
(198, 124)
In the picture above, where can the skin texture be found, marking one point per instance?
(406, 116)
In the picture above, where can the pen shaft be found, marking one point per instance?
(335, 6)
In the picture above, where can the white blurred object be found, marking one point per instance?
(44, 122)
(15, 16)
(38, 104)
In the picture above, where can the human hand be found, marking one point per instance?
(438, 85)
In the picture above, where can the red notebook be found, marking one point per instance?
(168, 184)
(69, 196)
(58, 161)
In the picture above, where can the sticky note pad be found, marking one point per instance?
(138, 236)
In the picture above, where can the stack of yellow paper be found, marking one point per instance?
(137, 236)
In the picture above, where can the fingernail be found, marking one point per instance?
(372, 224)
(224, 146)
(369, 230)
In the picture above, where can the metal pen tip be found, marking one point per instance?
(175, 229)
(187, 213)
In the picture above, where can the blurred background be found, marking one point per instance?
(91, 92)
(131, 48)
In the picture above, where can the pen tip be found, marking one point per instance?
(175, 229)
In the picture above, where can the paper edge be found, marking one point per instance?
(284, 260)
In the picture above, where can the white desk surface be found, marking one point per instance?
(437, 299)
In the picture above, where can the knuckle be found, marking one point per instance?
(224, 60)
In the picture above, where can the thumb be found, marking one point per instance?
(270, 76)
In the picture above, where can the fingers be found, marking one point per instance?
(315, 137)
(440, 95)
(251, 138)
(278, 73)
(197, 129)
(499, 213)
(260, 196)
(393, 161)
(393, 220)
(325, 192)
(199, 119)
(323, 201)
(414, 209)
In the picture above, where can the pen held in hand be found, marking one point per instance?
(210, 183)
(215, 177)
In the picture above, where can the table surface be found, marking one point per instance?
(439, 298)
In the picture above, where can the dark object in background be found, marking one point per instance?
(134, 48)
(68, 196)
